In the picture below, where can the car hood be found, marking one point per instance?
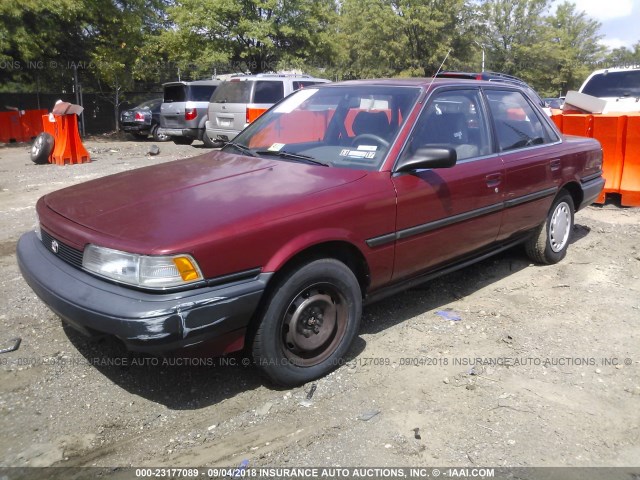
(180, 201)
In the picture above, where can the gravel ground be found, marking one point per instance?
(542, 369)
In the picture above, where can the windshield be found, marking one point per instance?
(614, 84)
(339, 126)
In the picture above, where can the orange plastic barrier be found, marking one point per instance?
(21, 126)
(610, 130)
(578, 124)
(557, 119)
(10, 129)
(630, 178)
(31, 122)
(68, 147)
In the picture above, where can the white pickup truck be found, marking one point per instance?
(618, 90)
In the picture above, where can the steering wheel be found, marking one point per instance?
(370, 136)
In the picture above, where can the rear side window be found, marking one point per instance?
(232, 92)
(268, 92)
(201, 93)
(516, 122)
(175, 93)
(297, 85)
(614, 84)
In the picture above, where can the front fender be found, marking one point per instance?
(309, 240)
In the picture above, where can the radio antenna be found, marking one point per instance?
(439, 68)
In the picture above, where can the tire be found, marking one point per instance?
(323, 295)
(208, 142)
(548, 245)
(182, 140)
(42, 148)
(159, 137)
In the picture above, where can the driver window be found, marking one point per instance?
(454, 119)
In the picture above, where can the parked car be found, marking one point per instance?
(339, 195)
(143, 120)
(184, 110)
(242, 99)
(499, 77)
(614, 84)
(555, 103)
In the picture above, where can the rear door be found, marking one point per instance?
(531, 169)
(173, 105)
(449, 212)
(228, 105)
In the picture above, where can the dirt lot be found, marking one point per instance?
(556, 379)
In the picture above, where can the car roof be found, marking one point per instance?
(418, 82)
(194, 82)
(275, 76)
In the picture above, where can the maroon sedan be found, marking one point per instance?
(337, 196)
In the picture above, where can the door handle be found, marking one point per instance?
(493, 180)
(555, 164)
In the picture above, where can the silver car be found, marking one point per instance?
(184, 110)
(243, 98)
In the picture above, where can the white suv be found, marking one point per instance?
(243, 98)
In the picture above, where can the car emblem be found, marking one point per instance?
(54, 246)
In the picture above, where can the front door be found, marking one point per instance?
(449, 212)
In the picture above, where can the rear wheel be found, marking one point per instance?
(42, 148)
(308, 323)
(182, 140)
(550, 241)
(208, 142)
(159, 137)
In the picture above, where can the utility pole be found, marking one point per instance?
(482, 47)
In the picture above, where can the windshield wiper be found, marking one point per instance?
(245, 150)
(294, 156)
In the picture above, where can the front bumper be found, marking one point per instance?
(149, 322)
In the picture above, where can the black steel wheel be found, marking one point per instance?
(309, 322)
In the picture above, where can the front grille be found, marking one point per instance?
(65, 252)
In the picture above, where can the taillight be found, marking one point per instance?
(253, 113)
(190, 113)
(139, 117)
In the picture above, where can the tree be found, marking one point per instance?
(576, 49)
(624, 57)
(38, 40)
(408, 37)
(120, 29)
(253, 35)
(513, 33)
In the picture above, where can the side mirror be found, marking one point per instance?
(436, 156)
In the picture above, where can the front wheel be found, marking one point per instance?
(308, 323)
(550, 241)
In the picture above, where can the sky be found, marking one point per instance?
(620, 20)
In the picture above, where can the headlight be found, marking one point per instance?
(36, 228)
(141, 270)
